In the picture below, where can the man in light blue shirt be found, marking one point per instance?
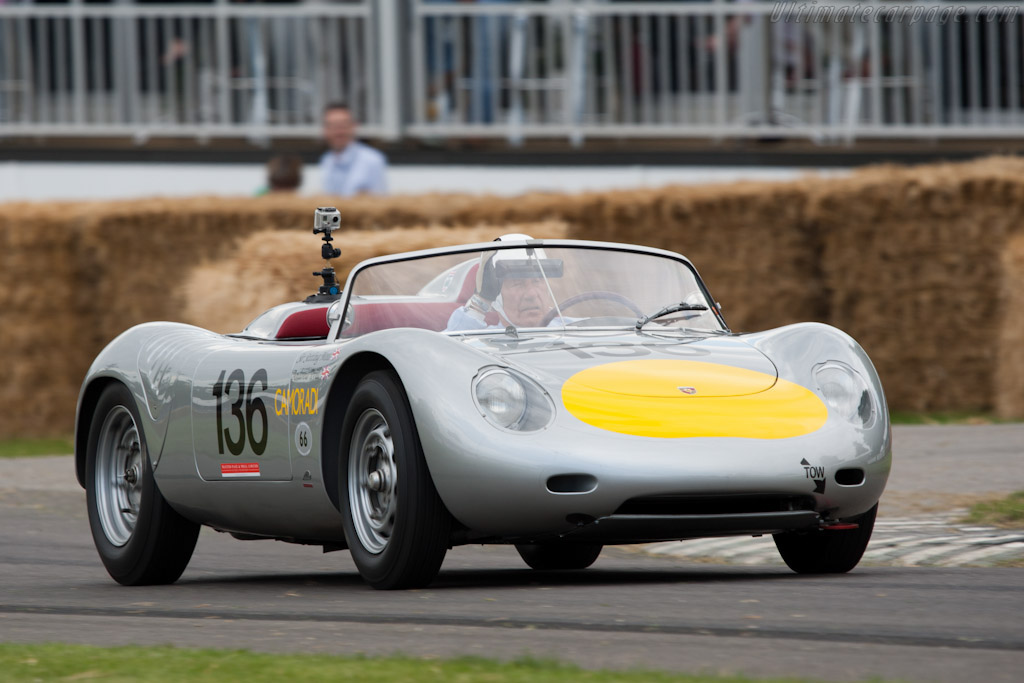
(349, 167)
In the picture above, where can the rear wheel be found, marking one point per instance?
(139, 537)
(396, 526)
(827, 552)
(546, 556)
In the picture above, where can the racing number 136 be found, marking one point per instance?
(253, 405)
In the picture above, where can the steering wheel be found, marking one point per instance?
(593, 295)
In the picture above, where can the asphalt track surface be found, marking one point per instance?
(630, 610)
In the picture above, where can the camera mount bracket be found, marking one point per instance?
(326, 220)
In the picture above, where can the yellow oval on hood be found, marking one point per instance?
(684, 398)
(673, 379)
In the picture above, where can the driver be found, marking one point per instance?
(520, 302)
(523, 301)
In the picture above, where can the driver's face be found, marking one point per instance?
(524, 301)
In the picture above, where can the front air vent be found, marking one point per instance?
(714, 505)
(852, 476)
(572, 483)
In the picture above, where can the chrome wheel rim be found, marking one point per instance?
(372, 481)
(118, 477)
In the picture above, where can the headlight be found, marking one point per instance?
(510, 401)
(845, 392)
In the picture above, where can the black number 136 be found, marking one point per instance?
(253, 405)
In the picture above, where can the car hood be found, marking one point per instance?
(638, 365)
(666, 387)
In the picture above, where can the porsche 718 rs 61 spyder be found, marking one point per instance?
(557, 395)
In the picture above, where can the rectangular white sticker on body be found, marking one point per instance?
(240, 469)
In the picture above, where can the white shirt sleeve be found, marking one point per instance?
(464, 319)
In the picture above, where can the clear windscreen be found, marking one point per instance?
(527, 288)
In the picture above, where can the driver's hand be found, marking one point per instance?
(488, 286)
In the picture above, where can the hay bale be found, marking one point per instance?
(39, 324)
(913, 269)
(749, 241)
(1009, 365)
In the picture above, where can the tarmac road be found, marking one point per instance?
(629, 610)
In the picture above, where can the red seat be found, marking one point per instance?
(370, 317)
(307, 324)
(469, 284)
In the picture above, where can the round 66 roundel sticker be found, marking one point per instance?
(303, 438)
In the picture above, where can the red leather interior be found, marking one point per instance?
(370, 317)
(311, 323)
(469, 284)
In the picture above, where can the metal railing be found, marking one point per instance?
(198, 71)
(516, 70)
(645, 69)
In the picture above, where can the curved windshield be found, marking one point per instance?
(529, 288)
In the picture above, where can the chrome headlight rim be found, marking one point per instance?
(861, 409)
(500, 381)
(538, 409)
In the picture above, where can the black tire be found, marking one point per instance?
(396, 526)
(545, 556)
(827, 552)
(139, 537)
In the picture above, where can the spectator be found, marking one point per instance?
(349, 167)
(284, 174)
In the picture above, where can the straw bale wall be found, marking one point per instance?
(914, 269)
(749, 241)
(924, 266)
(38, 363)
(1009, 380)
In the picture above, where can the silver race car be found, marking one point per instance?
(557, 395)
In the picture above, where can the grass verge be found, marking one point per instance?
(1007, 513)
(902, 417)
(1011, 563)
(17, 448)
(144, 664)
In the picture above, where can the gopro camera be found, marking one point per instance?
(326, 219)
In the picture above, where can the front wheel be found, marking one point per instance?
(545, 556)
(396, 526)
(827, 552)
(139, 537)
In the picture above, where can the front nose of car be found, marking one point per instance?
(685, 398)
(572, 473)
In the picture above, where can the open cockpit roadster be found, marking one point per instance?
(558, 395)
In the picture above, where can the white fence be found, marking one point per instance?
(219, 70)
(516, 70)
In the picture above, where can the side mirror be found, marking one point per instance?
(334, 319)
(334, 313)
